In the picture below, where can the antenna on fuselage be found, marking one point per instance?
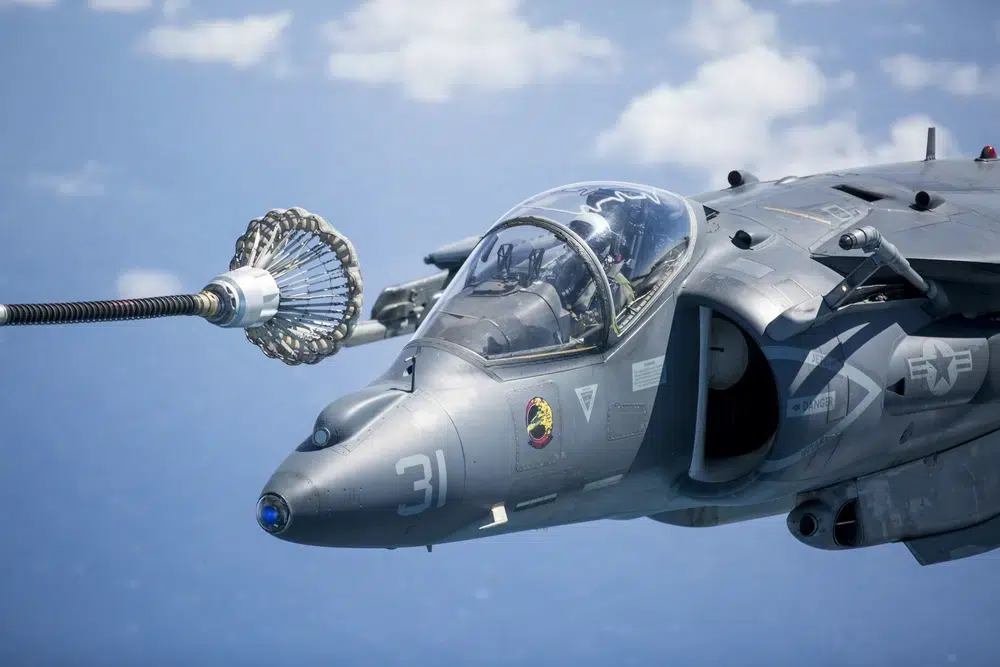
(931, 144)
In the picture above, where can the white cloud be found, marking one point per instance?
(735, 98)
(807, 149)
(87, 181)
(749, 106)
(139, 283)
(910, 72)
(719, 27)
(242, 43)
(434, 48)
(120, 6)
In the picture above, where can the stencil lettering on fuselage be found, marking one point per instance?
(647, 374)
(792, 452)
(811, 405)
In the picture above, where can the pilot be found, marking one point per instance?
(621, 286)
(596, 231)
(646, 230)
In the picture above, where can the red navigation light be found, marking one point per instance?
(989, 153)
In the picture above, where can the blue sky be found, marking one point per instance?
(139, 137)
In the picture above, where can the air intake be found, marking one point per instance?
(860, 193)
(846, 530)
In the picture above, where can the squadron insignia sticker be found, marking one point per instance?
(538, 421)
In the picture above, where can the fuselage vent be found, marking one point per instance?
(860, 193)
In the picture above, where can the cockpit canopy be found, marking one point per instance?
(561, 269)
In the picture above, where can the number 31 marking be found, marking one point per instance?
(425, 483)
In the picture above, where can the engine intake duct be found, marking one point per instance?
(737, 410)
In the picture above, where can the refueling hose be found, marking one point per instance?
(203, 304)
(293, 285)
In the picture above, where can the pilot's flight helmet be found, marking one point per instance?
(621, 213)
(611, 205)
(596, 231)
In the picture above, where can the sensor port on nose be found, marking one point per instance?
(273, 514)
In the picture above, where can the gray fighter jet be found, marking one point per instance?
(824, 346)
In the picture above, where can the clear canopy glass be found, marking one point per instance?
(533, 285)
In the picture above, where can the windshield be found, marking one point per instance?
(523, 289)
(527, 289)
(641, 235)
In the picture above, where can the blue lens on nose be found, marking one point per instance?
(269, 515)
(272, 513)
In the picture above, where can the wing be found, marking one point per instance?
(972, 541)
(399, 309)
(943, 216)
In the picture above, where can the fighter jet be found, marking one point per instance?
(824, 346)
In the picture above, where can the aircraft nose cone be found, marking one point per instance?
(395, 478)
(287, 504)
